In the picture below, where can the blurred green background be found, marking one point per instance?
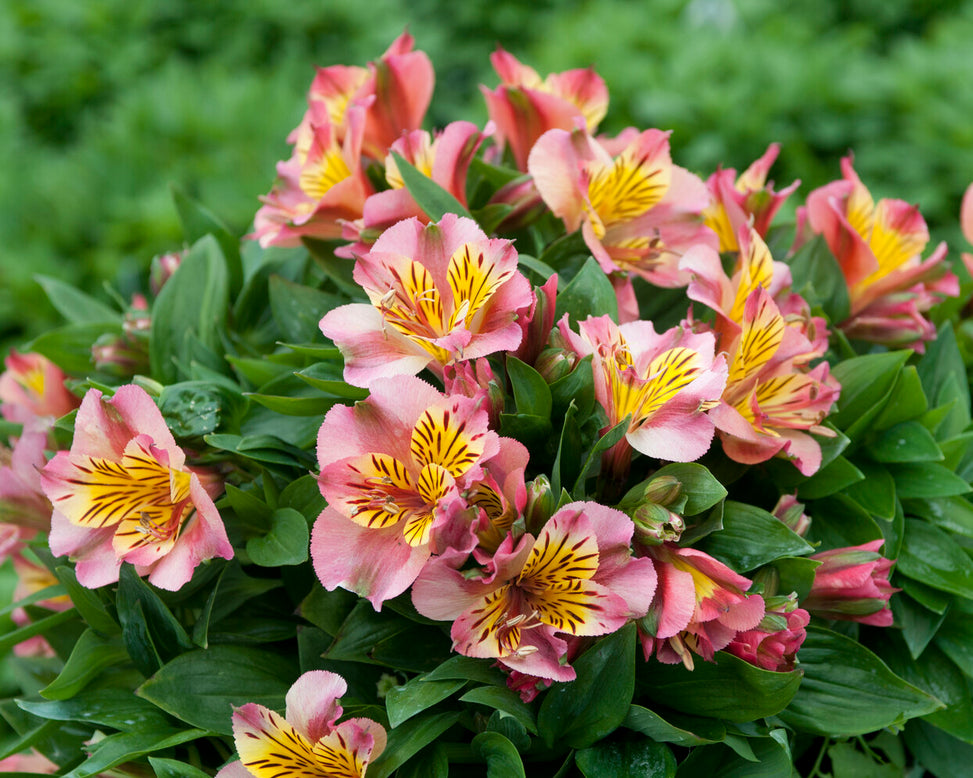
(106, 102)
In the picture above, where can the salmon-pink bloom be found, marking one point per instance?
(24, 509)
(774, 642)
(444, 158)
(576, 578)
(321, 185)
(28, 762)
(32, 578)
(32, 390)
(852, 584)
(665, 382)
(392, 470)
(879, 248)
(636, 210)
(699, 607)
(440, 293)
(738, 201)
(966, 223)
(525, 106)
(306, 741)
(123, 493)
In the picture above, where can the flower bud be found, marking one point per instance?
(663, 489)
(541, 504)
(163, 266)
(656, 524)
(852, 584)
(555, 363)
(791, 512)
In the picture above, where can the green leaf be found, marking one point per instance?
(752, 537)
(500, 755)
(326, 376)
(838, 521)
(150, 632)
(581, 712)
(434, 201)
(849, 762)
(76, 306)
(699, 486)
(194, 302)
(605, 442)
(926, 479)
(191, 408)
(92, 654)
(70, 347)
(531, 392)
(929, 555)
(943, 376)
(201, 687)
(110, 707)
(285, 544)
(796, 574)
(944, 756)
(848, 691)
(404, 702)
(817, 277)
(170, 768)
(590, 293)
(907, 441)
(876, 491)
(505, 700)
(907, 400)
(88, 603)
(691, 732)
(298, 309)
(622, 760)
(542, 269)
(766, 758)
(409, 739)
(727, 688)
(127, 746)
(830, 479)
(469, 669)
(919, 624)
(577, 387)
(198, 221)
(865, 382)
(953, 514)
(39, 627)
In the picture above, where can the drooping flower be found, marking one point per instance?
(774, 642)
(636, 210)
(525, 106)
(852, 584)
(392, 469)
(123, 493)
(32, 390)
(738, 200)
(666, 382)
(576, 578)
(879, 248)
(306, 741)
(699, 607)
(440, 293)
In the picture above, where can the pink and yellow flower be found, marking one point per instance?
(852, 584)
(392, 470)
(32, 390)
(440, 293)
(525, 106)
(306, 741)
(576, 578)
(24, 509)
(636, 210)
(748, 199)
(665, 382)
(699, 607)
(123, 493)
(879, 248)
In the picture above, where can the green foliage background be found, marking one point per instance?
(108, 102)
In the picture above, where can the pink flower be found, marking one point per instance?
(525, 106)
(440, 293)
(735, 201)
(791, 513)
(28, 762)
(576, 578)
(666, 382)
(24, 509)
(879, 248)
(392, 469)
(32, 389)
(306, 740)
(124, 494)
(773, 644)
(699, 607)
(636, 210)
(852, 584)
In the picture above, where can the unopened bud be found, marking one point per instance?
(791, 513)
(655, 524)
(541, 503)
(163, 266)
(555, 363)
(663, 489)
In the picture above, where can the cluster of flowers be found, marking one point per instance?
(422, 491)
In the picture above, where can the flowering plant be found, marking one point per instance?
(540, 452)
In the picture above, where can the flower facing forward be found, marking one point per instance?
(576, 578)
(306, 741)
(123, 493)
(440, 293)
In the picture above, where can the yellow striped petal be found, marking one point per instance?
(441, 438)
(381, 489)
(269, 747)
(473, 281)
(626, 189)
(756, 269)
(763, 332)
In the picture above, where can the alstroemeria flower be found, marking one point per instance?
(966, 224)
(852, 584)
(24, 509)
(444, 158)
(737, 201)
(699, 607)
(320, 186)
(391, 471)
(123, 493)
(576, 578)
(306, 741)
(525, 106)
(32, 389)
(440, 293)
(774, 642)
(666, 382)
(636, 210)
(879, 248)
